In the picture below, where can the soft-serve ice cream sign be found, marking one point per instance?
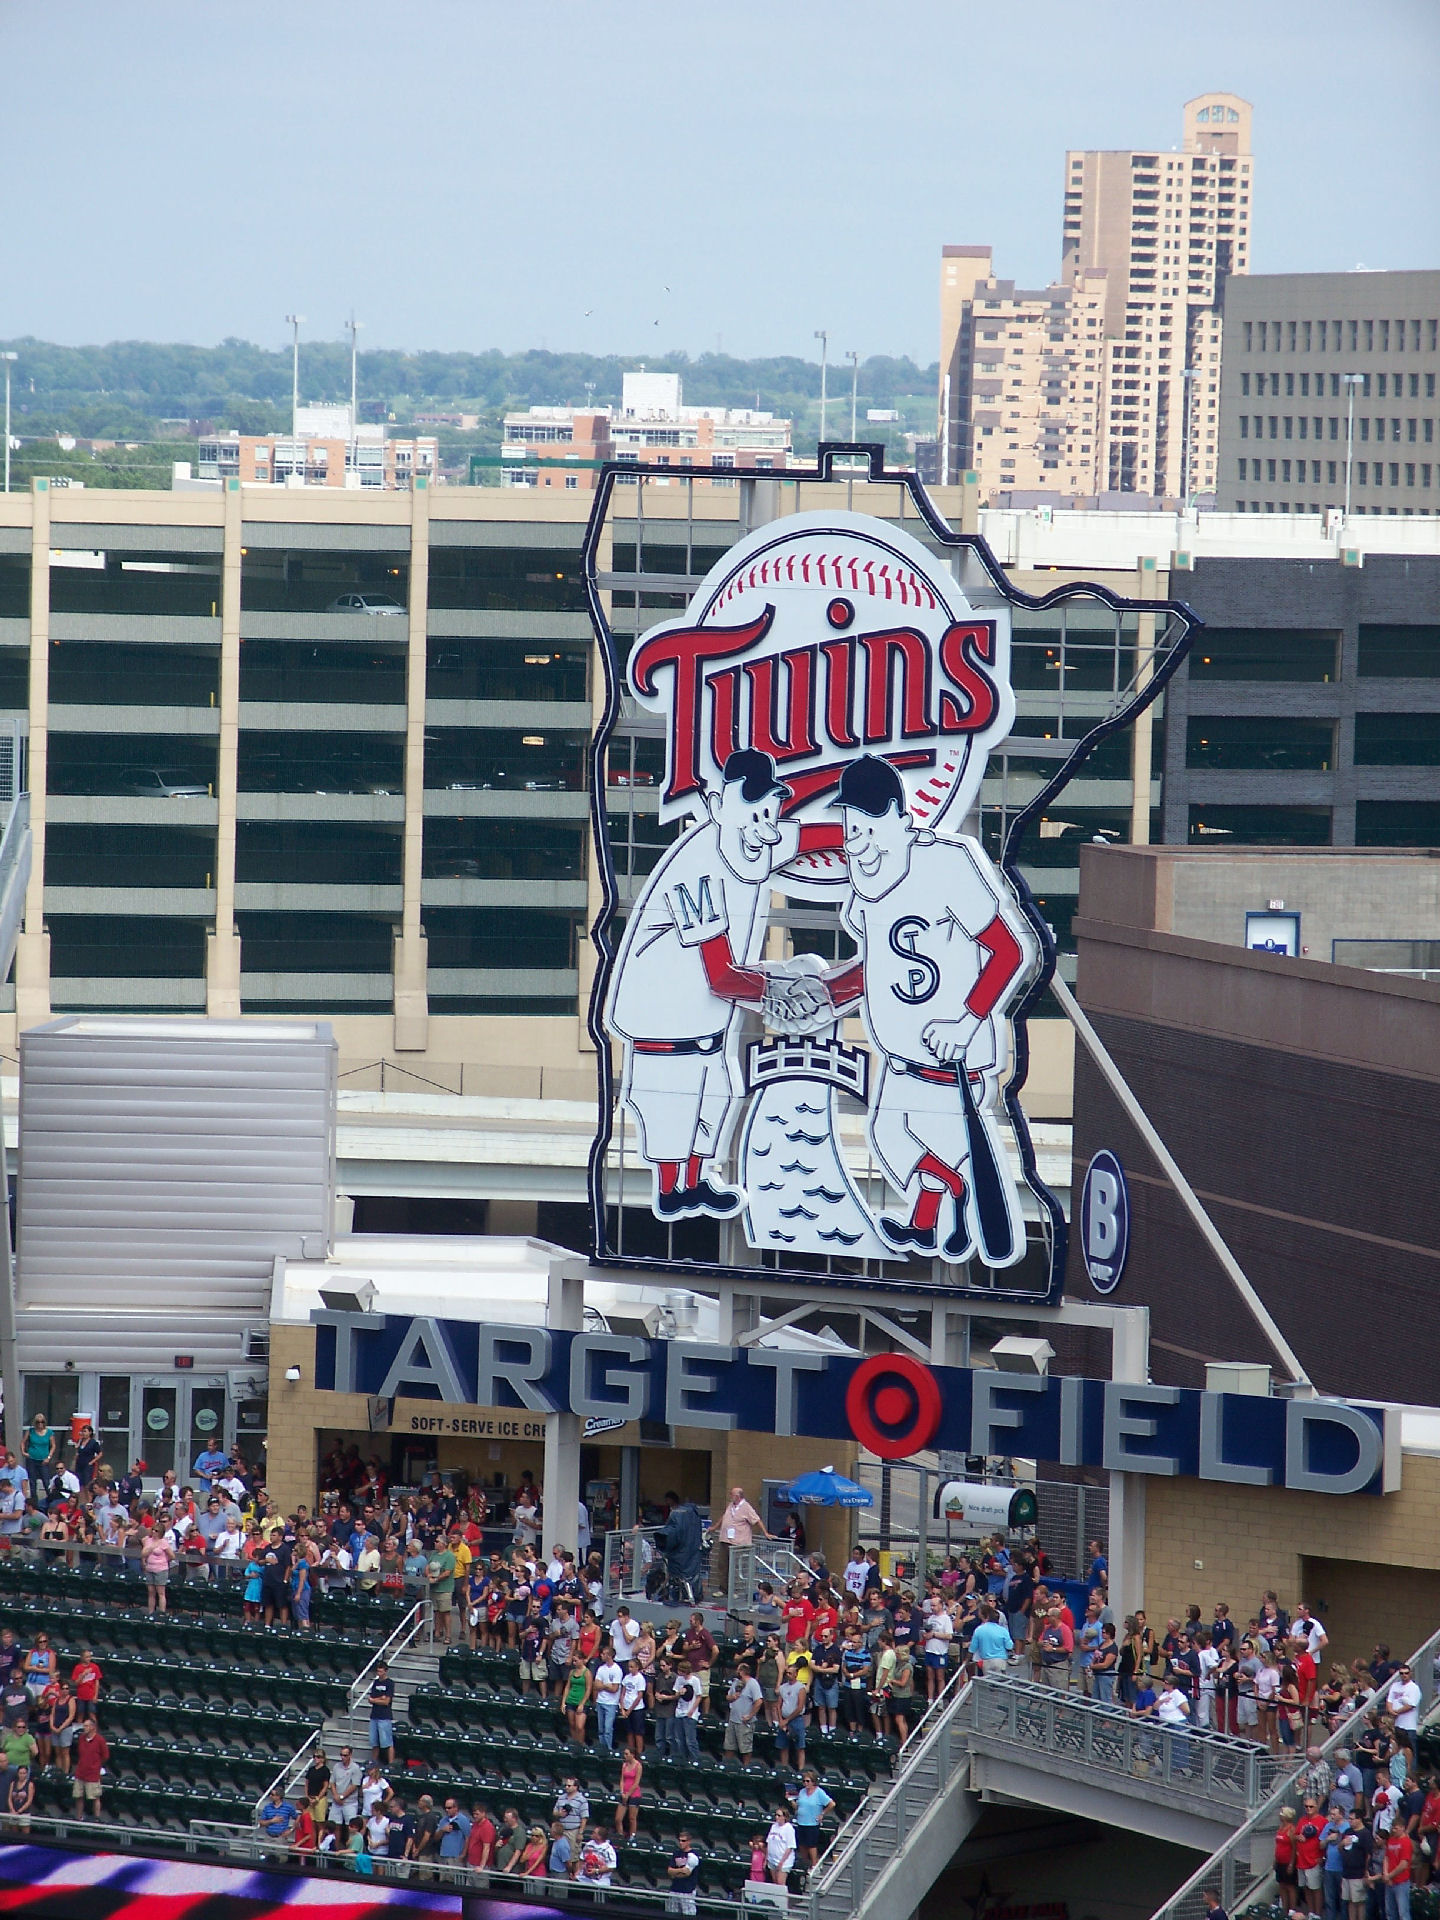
(829, 698)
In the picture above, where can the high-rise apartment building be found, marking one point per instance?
(1110, 381)
(1016, 407)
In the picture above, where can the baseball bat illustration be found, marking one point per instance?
(992, 1214)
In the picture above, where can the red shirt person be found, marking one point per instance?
(85, 1679)
(1399, 1855)
(89, 1755)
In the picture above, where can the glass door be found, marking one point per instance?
(204, 1421)
(159, 1414)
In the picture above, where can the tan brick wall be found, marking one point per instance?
(1251, 1538)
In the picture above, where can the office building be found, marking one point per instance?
(1328, 394)
(1309, 712)
(1111, 379)
(563, 447)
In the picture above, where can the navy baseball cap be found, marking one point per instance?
(871, 785)
(756, 773)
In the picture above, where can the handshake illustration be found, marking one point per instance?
(795, 1000)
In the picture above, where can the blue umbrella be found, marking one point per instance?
(826, 1488)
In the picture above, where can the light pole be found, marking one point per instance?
(1186, 378)
(354, 326)
(1352, 381)
(295, 321)
(854, 360)
(9, 359)
(823, 337)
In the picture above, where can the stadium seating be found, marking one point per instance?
(200, 1711)
(476, 1735)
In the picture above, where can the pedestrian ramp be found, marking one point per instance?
(1013, 1741)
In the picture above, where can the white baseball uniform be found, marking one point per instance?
(923, 956)
(677, 1075)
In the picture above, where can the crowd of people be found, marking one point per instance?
(843, 1654)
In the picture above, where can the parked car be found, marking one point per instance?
(379, 603)
(158, 783)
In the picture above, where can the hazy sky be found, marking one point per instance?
(617, 175)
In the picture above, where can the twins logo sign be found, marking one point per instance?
(829, 700)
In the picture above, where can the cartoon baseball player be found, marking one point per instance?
(944, 951)
(689, 961)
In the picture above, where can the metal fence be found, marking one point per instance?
(1234, 1774)
(635, 1568)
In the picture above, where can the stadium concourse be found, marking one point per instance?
(176, 1656)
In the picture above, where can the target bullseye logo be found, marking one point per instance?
(893, 1405)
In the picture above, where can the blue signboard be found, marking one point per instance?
(891, 1403)
(1104, 1221)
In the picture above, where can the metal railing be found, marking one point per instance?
(856, 1857)
(420, 1619)
(1239, 1871)
(635, 1562)
(748, 1566)
(1234, 1774)
(232, 1843)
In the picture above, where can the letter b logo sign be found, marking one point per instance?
(1104, 1222)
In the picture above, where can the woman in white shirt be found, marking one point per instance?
(939, 1632)
(1267, 1696)
(780, 1846)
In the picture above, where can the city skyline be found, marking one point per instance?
(486, 207)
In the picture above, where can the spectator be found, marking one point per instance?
(560, 1862)
(374, 1792)
(88, 1456)
(317, 1786)
(739, 1523)
(683, 1870)
(156, 1557)
(382, 1714)
(306, 1836)
(572, 1806)
(91, 1753)
(634, 1693)
(512, 1841)
(40, 1450)
(743, 1701)
(1310, 1853)
(812, 1803)
(825, 1678)
(480, 1846)
(700, 1651)
(780, 1846)
(440, 1579)
(402, 1832)
(1316, 1778)
(1396, 1874)
(41, 1667)
(688, 1702)
(376, 1822)
(62, 1724)
(21, 1748)
(608, 1680)
(453, 1831)
(627, 1805)
(20, 1798)
(900, 1694)
(1402, 1703)
(794, 1717)
(664, 1694)
(345, 1778)
(598, 1860)
(424, 1841)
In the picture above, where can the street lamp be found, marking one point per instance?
(294, 321)
(1352, 381)
(823, 337)
(9, 359)
(854, 360)
(1190, 375)
(354, 328)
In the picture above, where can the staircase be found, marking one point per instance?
(418, 1665)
